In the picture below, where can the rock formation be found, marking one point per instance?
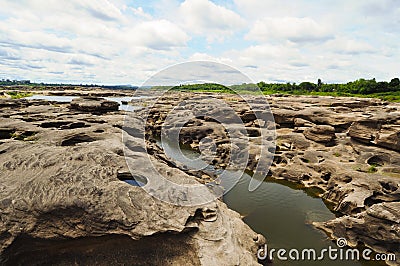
(93, 105)
(346, 147)
(61, 195)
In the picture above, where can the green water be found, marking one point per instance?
(284, 216)
(281, 213)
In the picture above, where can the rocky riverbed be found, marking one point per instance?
(62, 165)
(61, 195)
(346, 147)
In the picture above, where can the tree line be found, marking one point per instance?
(360, 86)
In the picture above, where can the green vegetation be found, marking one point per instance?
(25, 136)
(18, 94)
(7, 82)
(42, 86)
(213, 87)
(372, 168)
(388, 91)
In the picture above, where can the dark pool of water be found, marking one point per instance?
(134, 182)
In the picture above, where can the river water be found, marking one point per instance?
(125, 107)
(281, 212)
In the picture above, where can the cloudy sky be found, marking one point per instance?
(127, 41)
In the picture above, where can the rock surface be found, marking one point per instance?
(93, 105)
(381, 234)
(61, 195)
(320, 133)
(346, 147)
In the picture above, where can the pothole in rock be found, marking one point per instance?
(253, 132)
(25, 135)
(346, 179)
(63, 124)
(279, 160)
(372, 200)
(76, 139)
(55, 124)
(326, 176)
(304, 160)
(6, 133)
(388, 186)
(378, 160)
(134, 180)
(74, 125)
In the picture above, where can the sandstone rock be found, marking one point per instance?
(343, 172)
(63, 192)
(299, 122)
(320, 133)
(93, 105)
(389, 138)
(382, 233)
(365, 131)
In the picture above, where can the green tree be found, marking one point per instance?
(395, 82)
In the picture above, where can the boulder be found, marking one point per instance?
(93, 105)
(300, 122)
(389, 138)
(320, 133)
(364, 131)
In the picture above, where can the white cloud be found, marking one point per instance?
(59, 41)
(350, 46)
(101, 9)
(140, 13)
(108, 41)
(256, 9)
(208, 19)
(158, 35)
(288, 28)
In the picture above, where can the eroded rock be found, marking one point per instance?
(64, 195)
(320, 133)
(93, 105)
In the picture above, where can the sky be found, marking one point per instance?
(128, 41)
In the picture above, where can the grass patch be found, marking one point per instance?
(24, 136)
(385, 96)
(18, 95)
(372, 168)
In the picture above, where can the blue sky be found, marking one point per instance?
(126, 42)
